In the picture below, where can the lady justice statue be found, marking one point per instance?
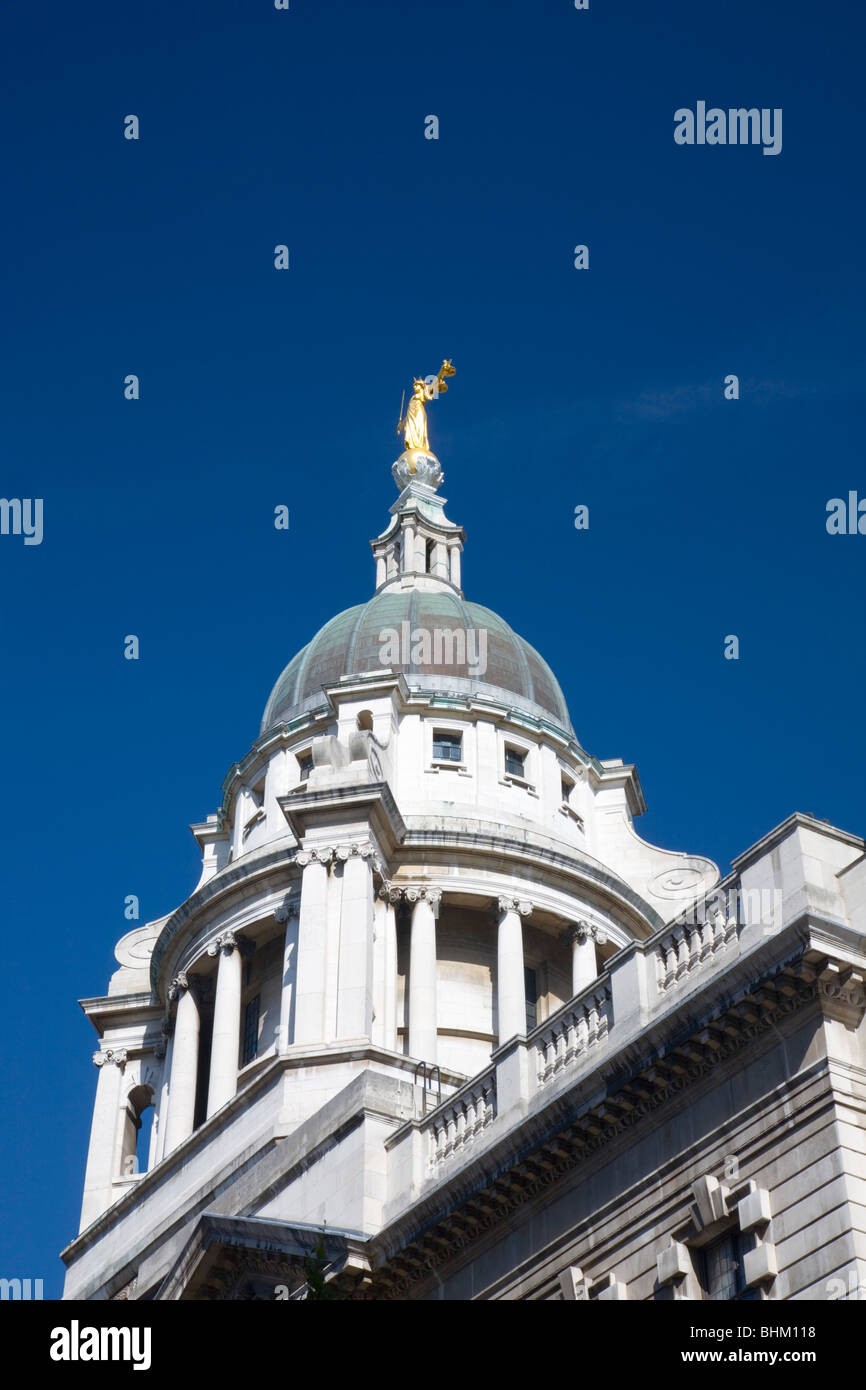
(417, 461)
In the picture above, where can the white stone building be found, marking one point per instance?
(434, 994)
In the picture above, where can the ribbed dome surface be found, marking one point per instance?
(350, 645)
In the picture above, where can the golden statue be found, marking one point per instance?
(414, 426)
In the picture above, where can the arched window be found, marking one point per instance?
(137, 1124)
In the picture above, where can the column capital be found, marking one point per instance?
(521, 905)
(110, 1056)
(418, 892)
(355, 849)
(229, 941)
(337, 853)
(390, 892)
(288, 908)
(322, 855)
(580, 932)
(179, 985)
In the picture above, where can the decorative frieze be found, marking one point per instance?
(336, 853)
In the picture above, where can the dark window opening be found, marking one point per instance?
(721, 1268)
(530, 989)
(515, 762)
(251, 1031)
(447, 747)
(305, 765)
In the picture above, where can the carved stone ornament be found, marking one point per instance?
(420, 893)
(178, 985)
(288, 908)
(115, 1056)
(521, 905)
(581, 932)
(229, 941)
(324, 854)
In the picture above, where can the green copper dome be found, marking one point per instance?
(351, 645)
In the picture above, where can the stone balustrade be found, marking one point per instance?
(637, 985)
(563, 1038)
(690, 945)
(459, 1120)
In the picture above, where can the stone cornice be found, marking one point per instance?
(104, 1009)
(319, 806)
(573, 864)
(786, 828)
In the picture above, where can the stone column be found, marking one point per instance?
(391, 973)
(310, 975)
(226, 1021)
(355, 977)
(455, 566)
(287, 912)
(408, 548)
(422, 973)
(184, 1062)
(510, 982)
(161, 1105)
(439, 564)
(380, 570)
(582, 938)
(102, 1155)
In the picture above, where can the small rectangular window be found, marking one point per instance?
(447, 748)
(305, 765)
(251, 1031)
(530, 989)
(515, 762)
(722, 1268)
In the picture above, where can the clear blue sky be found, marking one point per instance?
(707, 517)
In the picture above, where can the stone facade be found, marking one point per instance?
(434, 997)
